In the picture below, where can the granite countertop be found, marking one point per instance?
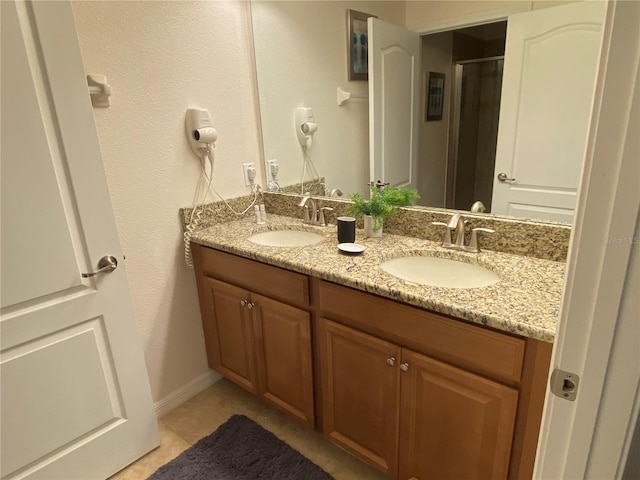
(526, 301)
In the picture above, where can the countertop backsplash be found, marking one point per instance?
(544, 240)
(217, 212)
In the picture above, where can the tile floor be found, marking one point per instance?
(202, 414)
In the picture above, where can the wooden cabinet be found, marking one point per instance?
(360, 391)
(229, 332)
(262, 344)
(416, 394)
(283, 354)
(422, 396)
(396, 408)
(453, 424)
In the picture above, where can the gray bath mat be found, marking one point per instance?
(240, 449)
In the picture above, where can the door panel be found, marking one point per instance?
(285, 373)
(453, 424)
(360, 394)
(30, 181)
(76, 402)
(65, 399)
(551, 61)
(232, 349)
(394, 79)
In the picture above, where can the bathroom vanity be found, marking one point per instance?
(420, 382)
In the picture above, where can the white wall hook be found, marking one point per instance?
(99, 90)
(345, 96)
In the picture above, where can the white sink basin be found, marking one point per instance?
(286, 238)
(439, 272)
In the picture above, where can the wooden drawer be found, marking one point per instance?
(475, 348)
(274, 282)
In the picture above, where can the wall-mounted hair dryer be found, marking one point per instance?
(305, 126)
(201, 135)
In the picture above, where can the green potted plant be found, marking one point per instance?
(381, 203)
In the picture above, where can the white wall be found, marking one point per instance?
(301, 57)
(160, 58)
(434, 135)
(424, 15)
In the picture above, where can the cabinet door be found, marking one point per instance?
(453, 424)
(360, 394)
(229, 334)
(285, 372)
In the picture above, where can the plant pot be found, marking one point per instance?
(369, 230)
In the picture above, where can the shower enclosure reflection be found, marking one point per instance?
(457, 154)
(476, 106)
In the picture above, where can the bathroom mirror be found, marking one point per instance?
(301, 61)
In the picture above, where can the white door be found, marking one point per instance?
(394, 82)
(551, 61)
(75, 400)
(599, 329)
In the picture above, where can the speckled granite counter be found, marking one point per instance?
(526, 301)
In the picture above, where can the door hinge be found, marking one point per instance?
(564, 384)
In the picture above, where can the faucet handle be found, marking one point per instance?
(322, 220)
(473, 243)
(447, 232)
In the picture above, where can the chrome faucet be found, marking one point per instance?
(308, 204)
(312, 214)
(457, 224)
(478, 207)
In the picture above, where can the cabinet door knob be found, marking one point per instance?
(391, 361)
(243, 303)
(251, 305)
(404, 367)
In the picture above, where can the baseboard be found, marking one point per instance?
(184, 393)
